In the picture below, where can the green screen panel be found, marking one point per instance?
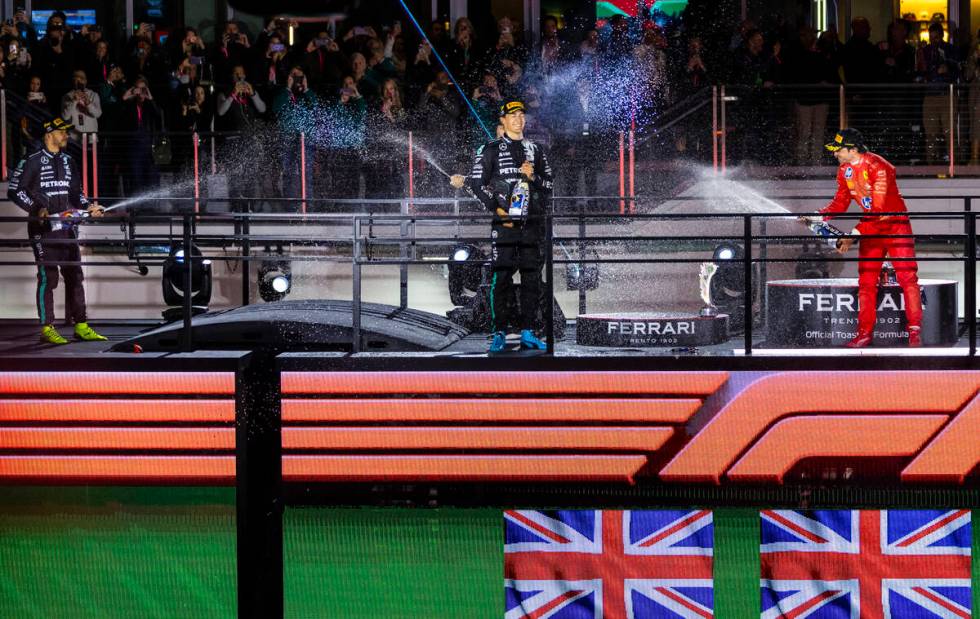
(393, 562)
(117, 552)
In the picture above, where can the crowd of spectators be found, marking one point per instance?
(355, 89)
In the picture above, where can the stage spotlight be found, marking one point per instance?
(726, 289)
(466, 271)
(174, 272)
(275, 280)
(728, 252)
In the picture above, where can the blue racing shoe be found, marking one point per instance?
(529, 341)
(499, 342)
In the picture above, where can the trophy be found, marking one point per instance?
(708, 270)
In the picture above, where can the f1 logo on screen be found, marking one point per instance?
(756, 427)
(779, 419)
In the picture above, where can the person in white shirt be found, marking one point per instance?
(81, 106)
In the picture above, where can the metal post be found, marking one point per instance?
(411, 168)
(714, 128)
(763, 270)
(95, 167)
(302, 171)
(622, 175)
(85, 164)
(356, 297)
(258, 485)
(581, 256)
(3, 134)
(246, 251)
(214, 154)
(549, 268)
(724, 132)
(403, 254)
(970, 277)
(197, 175)
(187, 341)
(952, 138)
(747, 241)
(842, 107)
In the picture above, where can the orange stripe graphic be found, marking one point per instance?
(497, 410)
(595, 439)
(460, 468)
(500, 383)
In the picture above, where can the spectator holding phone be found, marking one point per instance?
(239, 106)
(294, 107)
(81, 107)
(31, 129)
(53, 61)
(16, 66)
(387, 119)
(349, 115)
(232, 48)
(25, 32)
(98, 64)
(274, 66)
(324, 63)
(142, 120)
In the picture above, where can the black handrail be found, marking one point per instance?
(193, 232)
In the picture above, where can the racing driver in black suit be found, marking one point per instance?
(48, 186)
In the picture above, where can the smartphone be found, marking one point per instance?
(198, 60)
(322, 42)
(347, 91)
(277, 47)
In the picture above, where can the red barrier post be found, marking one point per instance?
(85, 164)
(95, 167)
(197, 175)
(724, 133)
(622, 175)
(632, 171)
(302, 171)
(714, 128)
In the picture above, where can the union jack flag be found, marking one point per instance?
(608, 564)
(851, 564)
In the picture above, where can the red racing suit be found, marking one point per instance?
(870, 182)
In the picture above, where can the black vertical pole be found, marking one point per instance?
(763, 270)
(581, 256)
(246, 249)
(549, 308)
(747, 242)
(356, 292)
(970, 277)
(258, 485)
(187, 342)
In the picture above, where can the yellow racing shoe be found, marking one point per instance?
(87, 333)
(50, 335)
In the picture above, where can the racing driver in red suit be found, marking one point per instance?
(869, 180)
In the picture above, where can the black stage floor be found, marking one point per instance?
(19, 338)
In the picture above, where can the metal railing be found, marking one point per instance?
(401, 237)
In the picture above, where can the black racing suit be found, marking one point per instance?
(520, 246)
(52, 182)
